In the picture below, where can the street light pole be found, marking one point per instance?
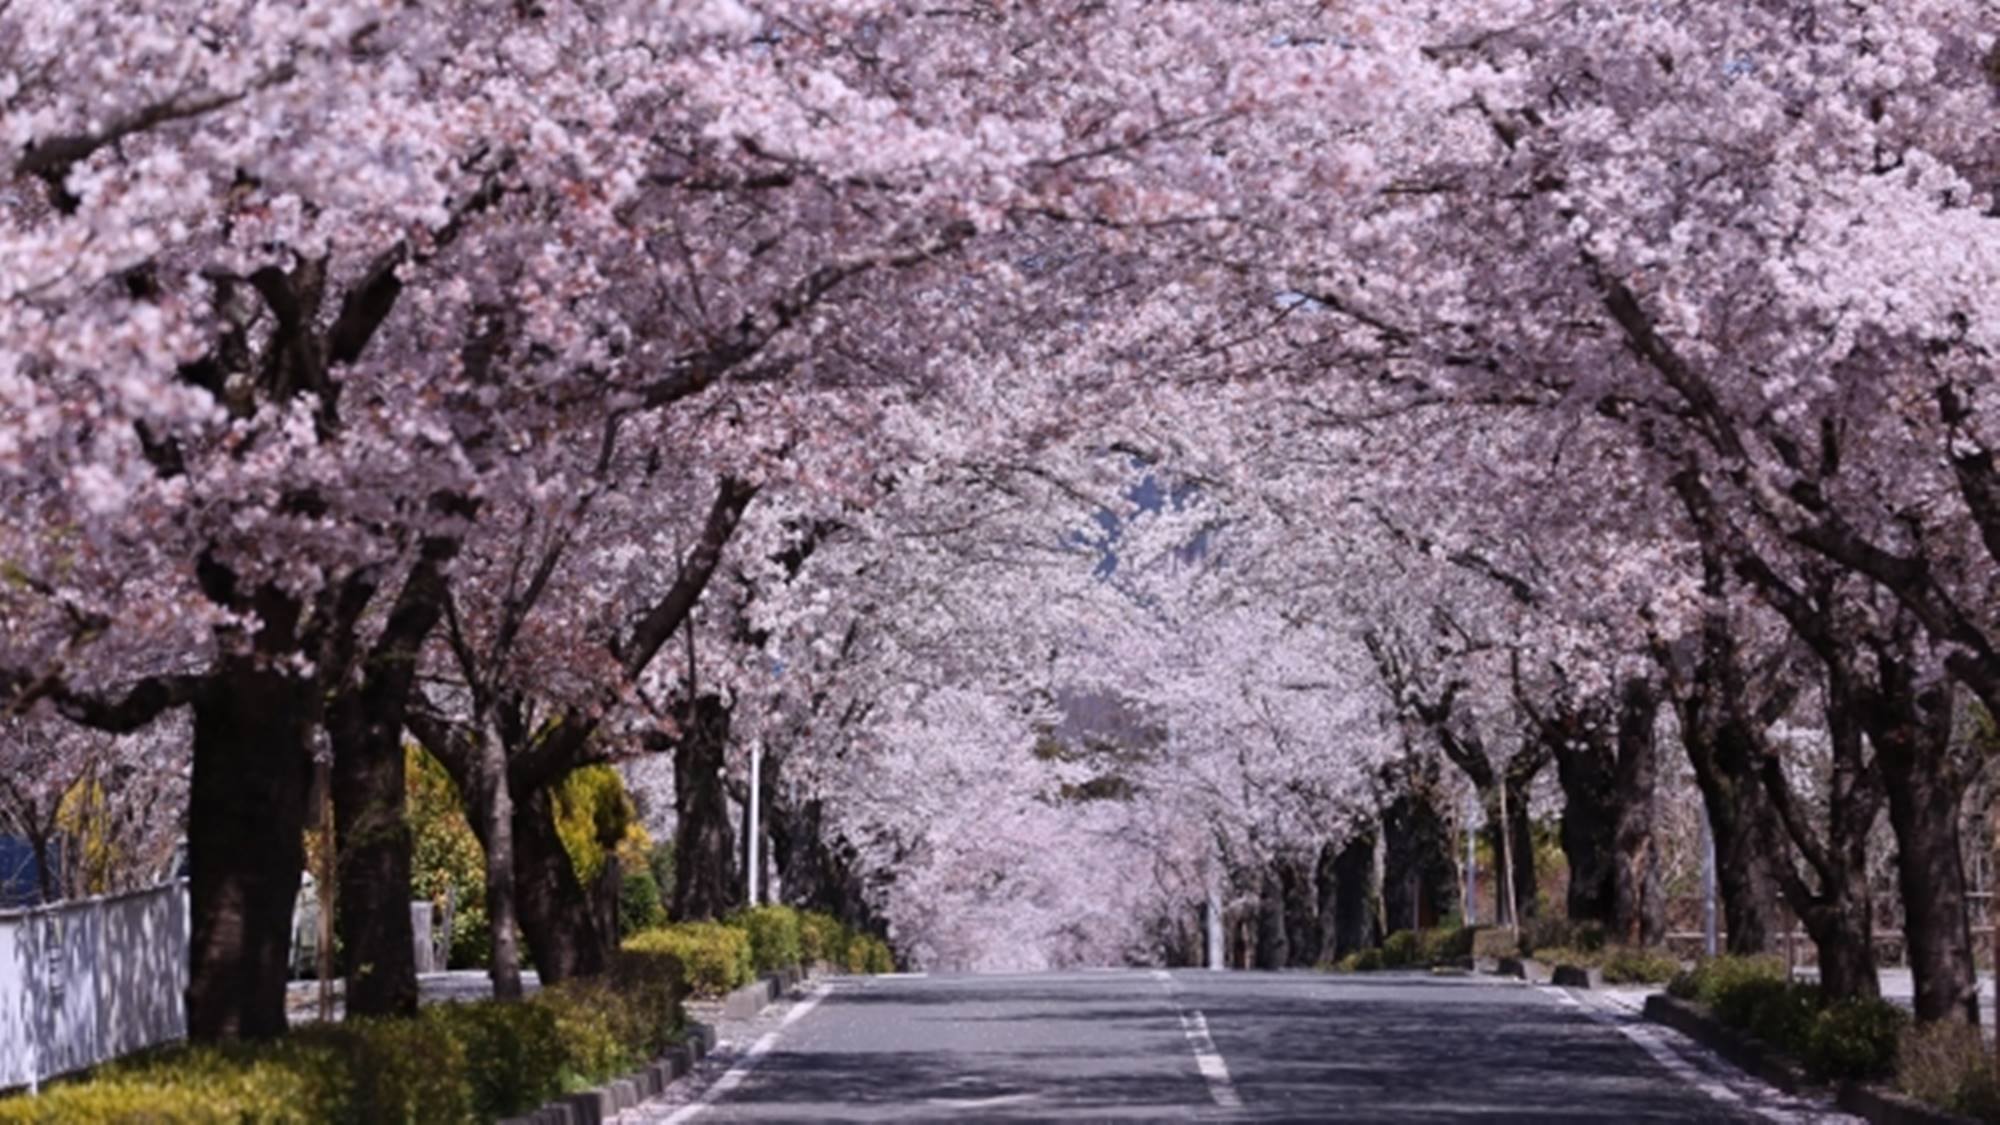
(1471, 861)
(756, 783)
(1708, 929)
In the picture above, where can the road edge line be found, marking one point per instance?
(734, 1076)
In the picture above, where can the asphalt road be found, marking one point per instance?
(1154, 1046)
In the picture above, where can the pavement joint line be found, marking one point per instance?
(735, 1075)
(1206, 1059)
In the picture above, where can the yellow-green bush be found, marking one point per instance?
(822, 939)
(452, 1063)
(1401, 949)
(1713, 977)
(514, 1053)
(1360, 961)
(1855, 1039)
(716, 958)
(867, 954)
(1632, 964)
(774, 936)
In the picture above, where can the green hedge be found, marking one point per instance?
(822, 939)
(717, 957)
(774, 936)
(1841, 1040)
(451, 1063)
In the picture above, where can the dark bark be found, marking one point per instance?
(1740, 822)
(246, 823)
(1587, 769)
(1911, 727)
(373, 871)
(1355, 924)
(1273, 949)
(365, 727)
(819, 873)
(1302, 933)
(1326, 899)
(1722, 731)
(1639, 910)
(1419, 879)
(564, 937)
(704, 848)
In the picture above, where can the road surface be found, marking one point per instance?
(1190, 1045)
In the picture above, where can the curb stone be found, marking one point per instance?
(1879, 1104)
(598, 1105)
(601, 1104)
(1526, 968)
(1577, 976)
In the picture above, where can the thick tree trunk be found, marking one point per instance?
(1273, 946)
(1912, 735)
(374, 862)
(1419, 879)
(1326, 899)
(493, 819)
(1737, 815)
(1638, 910)
(1740, 818)
(705, 885)
(1587, 770)
(564, 937)
(1302, 933)
(365, 726)
(1355, 925)
(246, 824)
(1355, 895)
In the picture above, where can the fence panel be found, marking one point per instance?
(82, 982)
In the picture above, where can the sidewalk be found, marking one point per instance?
(302, 996)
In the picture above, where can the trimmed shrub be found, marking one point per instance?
(1360, 961)
(1564, 955)
(1855, 1039)
(822, 939)
(1714, 976)
(639, 905)
(398, 1069)
(1781, 1013)
(1948, 1065)
(514, 1053)
(867, 954)
(1630, 964)
(1400, 949)
(1445, 943)
(1548, 931)
(715, 957)
(774, 936)
(1495, 942)
(452, 1063)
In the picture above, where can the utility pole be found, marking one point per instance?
(1471, 860)
(756, 783)
(1707, 887)
(1214, 925)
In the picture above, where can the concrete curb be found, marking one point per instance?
(1879, 1104)
(596, 1106)
(1526, 968)
(1577, 976)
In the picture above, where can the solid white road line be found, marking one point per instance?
(1650, 1040)
(735, 1075)
(1213, 1069)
